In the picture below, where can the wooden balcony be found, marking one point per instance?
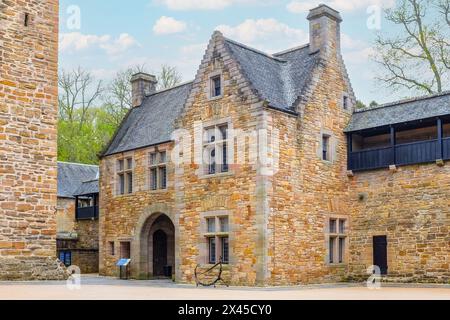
(416, 152)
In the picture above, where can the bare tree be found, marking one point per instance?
(78, 91)
(415, 59)
(168, 77)
(117, 97)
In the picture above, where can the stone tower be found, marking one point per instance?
(28, 139)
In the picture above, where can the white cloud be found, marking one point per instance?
(76, 41)
(297, 6)
(168, 25)
(119, 45)
(208, 4)
(263, 31)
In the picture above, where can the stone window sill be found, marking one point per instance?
(215, 98)
(337, 265)
(217, 175)
(225, 267)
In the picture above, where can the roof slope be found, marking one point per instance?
(401, 111)
(152, 123)
(279, 78)
(87, 188)
(72, 175)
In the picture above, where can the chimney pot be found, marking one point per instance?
(142, 85)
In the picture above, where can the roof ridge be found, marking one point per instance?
(171, 88)
(303, 46)
(79, 164)
(403, 101)
(255, 50)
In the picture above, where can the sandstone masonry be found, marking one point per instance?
(28, 118)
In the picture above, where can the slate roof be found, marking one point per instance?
(72, 175)
(279, 78)
(401, 111)
(152, 123)
(87, 188)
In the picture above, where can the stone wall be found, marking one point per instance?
(85, 248)
(28, 128)
(412, 208)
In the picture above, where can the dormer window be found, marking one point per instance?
(216, 86)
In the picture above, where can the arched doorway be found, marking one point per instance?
(157, 247)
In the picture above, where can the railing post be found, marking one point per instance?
(349, 150)
(440, 155)
(393, 142)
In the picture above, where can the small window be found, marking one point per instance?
(216, 86)
(111, 248)
(337, 238)
(26, 20)
(217, 239)
(216, 149)
(345, 102)
(125, 176)
(125, 250)
(158, 170)
(326, 147)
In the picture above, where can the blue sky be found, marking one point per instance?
(107, 36)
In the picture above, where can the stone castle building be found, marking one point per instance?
(77, 216)
(263, 163)
(28, 129)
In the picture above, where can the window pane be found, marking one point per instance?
(120, 165)
(224, 158)
(341, 226)
(130, 182)
(210, 135)
(331, 249)
(162, 177)
(225, 250)
(111, 248)
(162, 157)
(153, 159)
(216, 84)
(121, 184)
(129, 163)
(224, 224)
(153, 179)
(341, 249)
(212, 250)
(333, 226)
(223, 129)
(212, 162)
(211, 225)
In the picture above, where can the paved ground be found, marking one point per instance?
(97, 288)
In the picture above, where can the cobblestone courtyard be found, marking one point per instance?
(99, 288)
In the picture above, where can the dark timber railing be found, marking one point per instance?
(87, 213)
(400, 154)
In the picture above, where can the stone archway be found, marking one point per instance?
(155, 219)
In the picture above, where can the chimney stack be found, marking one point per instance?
(142, 84)
(324, 29)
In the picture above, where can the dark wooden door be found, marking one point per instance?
(159, 252)
(380, 253)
